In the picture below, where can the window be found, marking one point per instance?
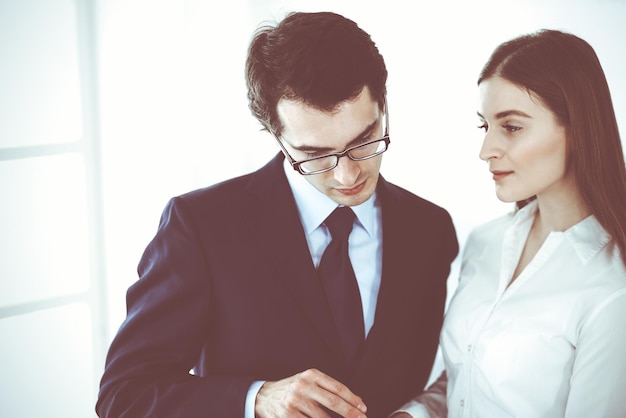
(51, 305)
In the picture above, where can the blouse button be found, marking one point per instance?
(462, 403)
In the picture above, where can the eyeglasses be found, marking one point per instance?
(328, 162)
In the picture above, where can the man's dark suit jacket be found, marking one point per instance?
(227, 287)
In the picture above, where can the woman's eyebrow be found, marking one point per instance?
(505, 113)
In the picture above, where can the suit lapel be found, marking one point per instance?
(396, 264)
(273, 217)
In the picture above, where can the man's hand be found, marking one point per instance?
(307, 394)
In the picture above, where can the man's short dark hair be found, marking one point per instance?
(322, 59)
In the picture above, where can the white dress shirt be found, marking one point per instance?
(364, 246)
(552, 344)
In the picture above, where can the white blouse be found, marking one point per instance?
(552, 344)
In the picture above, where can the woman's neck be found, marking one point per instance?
(559, 213)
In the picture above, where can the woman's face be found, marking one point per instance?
(524, 143)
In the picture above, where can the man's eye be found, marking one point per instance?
(314, 154)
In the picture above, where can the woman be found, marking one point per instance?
(536, 327)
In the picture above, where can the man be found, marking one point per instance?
(236, 284)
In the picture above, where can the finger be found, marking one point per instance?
(337, 404)
(339, 389)
(293, 397)
(335, 395)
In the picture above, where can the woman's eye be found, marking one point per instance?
(484, 127)
(511, 128)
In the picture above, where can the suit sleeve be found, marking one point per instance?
(431, 403)
(450, 243)
(443, 249)
(168, 322)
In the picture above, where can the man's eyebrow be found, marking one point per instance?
(359, 138)
(505, 113)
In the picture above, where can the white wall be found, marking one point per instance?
(159, 90)
(179, 94)
(175, 115)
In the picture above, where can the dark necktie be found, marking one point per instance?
(339, 282)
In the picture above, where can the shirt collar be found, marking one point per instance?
(587, 237)
(314, 206)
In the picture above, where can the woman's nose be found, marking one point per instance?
(491, 148)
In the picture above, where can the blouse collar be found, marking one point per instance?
(587, 237)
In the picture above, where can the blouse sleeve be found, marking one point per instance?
(598, 382)
(431, 403)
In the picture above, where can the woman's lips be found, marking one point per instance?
(499, 175)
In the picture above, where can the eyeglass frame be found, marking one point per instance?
(345, 153)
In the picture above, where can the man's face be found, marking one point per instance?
(309, 133)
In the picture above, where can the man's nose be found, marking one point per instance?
(347, 171)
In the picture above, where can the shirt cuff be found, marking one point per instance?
(415, 409)
(251, 398)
